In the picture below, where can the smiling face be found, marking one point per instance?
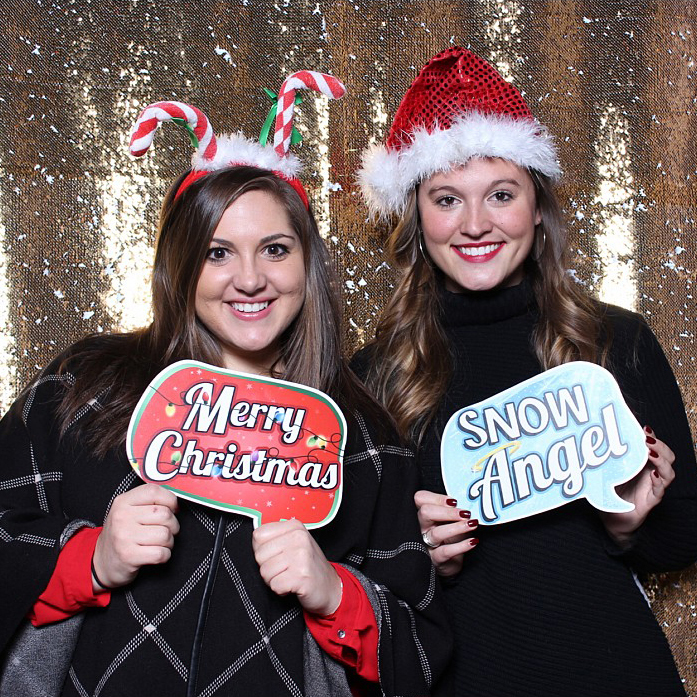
(252, 284)
(478, 223)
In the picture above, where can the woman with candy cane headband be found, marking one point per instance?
(544, 605)
(179, 599)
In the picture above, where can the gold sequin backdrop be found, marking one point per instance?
(615, 81)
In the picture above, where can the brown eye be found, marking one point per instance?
(277, 251)
(217, 254)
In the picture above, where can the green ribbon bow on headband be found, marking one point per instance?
(189, 130)
(295, 136)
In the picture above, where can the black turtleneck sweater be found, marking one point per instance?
(548, 605)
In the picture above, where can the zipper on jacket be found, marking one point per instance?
(204, 607)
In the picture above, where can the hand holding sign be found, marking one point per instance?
(564, 434)
(446, 529)
(265, 448)
(138, 531)
(290, 561)
(645, 491)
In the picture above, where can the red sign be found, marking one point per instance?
(265, 448)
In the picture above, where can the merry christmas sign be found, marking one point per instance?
(265, 448)
(563, 435)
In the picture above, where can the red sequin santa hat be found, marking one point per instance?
(214, 153)
(457, 108)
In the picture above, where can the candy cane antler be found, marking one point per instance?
(305, 79)
(193, 119)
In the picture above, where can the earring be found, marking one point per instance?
(422, 249)
(540, 247)
(419, 237)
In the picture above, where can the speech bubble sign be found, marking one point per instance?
(562, 435)
(264, 448)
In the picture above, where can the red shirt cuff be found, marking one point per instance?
(350, 634)
(70, 587)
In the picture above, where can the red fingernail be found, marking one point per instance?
(649, 429)
(465, 514)
(473, 523)
(650, 440)
(473, 541)
(655, 474)
(451, 502)
(653, 453)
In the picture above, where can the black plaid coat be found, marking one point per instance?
(249, 641)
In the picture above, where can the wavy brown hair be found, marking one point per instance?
(411, 363)
(115, 369)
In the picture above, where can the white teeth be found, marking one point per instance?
(250, 307)
(479, 251)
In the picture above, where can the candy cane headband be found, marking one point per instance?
(214, 153)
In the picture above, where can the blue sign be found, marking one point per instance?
(563, 435)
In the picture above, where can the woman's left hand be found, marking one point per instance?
(290, 561)
(645, 490)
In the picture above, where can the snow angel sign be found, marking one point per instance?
(563, 435)
(265, 448)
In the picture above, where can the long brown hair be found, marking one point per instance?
(411, 362)
(115, 369)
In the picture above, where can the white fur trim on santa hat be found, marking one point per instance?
(236, 149)
(387, 176)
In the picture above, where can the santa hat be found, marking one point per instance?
(457, 108)
(215, 153)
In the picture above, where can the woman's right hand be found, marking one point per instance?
(446, 530)
(139, 530)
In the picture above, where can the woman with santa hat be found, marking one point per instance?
(546, 605)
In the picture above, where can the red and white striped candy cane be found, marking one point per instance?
(154, 114)
(305, 79)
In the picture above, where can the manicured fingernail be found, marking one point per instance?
(465, 514)
(648, 428)
(473, 523)
(655, 474)
(650, 440)
(473, 541)
(451, 502)
(653, 453)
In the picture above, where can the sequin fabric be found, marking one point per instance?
(613, 80)
(451, 84)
